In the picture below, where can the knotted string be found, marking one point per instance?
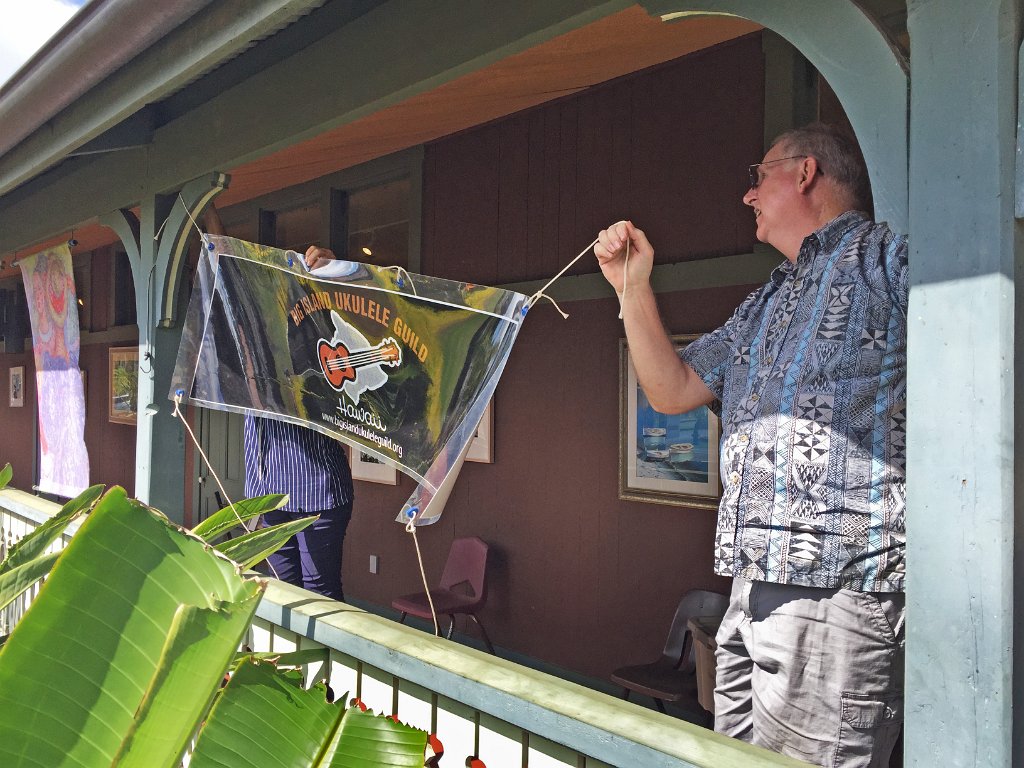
(542, 295)
(410, 527)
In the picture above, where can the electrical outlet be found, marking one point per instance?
(374, 564)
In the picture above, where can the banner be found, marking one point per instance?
(53, 310)
(399, 366)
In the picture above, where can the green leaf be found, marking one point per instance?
(219, 523)
(308, 731)
(16, 580)
(290, 659)
(113, 663)
(251, 548)
(5, 475)
(367, 740)
(37, 542)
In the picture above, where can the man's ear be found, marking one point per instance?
(808, 172)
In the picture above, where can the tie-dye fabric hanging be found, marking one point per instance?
(399, 366)
(53, 311)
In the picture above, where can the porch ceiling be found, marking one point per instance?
(617, 45)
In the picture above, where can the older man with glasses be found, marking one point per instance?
(810, 375)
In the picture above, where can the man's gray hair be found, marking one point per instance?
(838, 157)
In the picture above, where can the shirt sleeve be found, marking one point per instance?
(899, 272)
(712, 354)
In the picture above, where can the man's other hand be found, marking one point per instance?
(317, 256)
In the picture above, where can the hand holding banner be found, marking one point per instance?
(351, 351)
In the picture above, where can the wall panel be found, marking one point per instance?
(579, 579)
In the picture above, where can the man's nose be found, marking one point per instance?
(750, 197)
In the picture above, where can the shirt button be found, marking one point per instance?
(755, 397)
(797, 284)
(744, 438)
(734, 478)
(769, 360)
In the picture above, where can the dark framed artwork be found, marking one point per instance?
(665, 459)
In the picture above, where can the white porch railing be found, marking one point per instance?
(508, 715)
(21, 513)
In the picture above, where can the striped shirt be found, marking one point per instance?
(285, 458)
(811, 373)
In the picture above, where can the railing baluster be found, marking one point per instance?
(415, 705)
(377, 690)
(501, 743)
(543, 753)
(456, 727)
(343, 676)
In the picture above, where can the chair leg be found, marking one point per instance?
(451, 627)
(625, 694)
(402, 619)
(661, 706)
(487, 640)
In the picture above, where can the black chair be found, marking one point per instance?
(673, 676)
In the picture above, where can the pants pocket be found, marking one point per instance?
(868, 729)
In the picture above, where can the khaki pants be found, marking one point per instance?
(816, 674)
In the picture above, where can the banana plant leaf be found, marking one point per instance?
(35, 543)
(119, 656)
(16, 580)
(307, 732)
(285, 659)
(222, 521)
(251, 548)
(5, 475)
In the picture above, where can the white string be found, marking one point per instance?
(202, 235)
(625, 277)
(206, 461)
(537, 296)
(540, 294)
(410, 527)
(400, 271)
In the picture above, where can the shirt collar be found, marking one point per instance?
(827, 237)
(823, 240)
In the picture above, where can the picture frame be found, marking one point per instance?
(367, 467)
(17, 387)
(665, 459)
(481, 449)
(123, 382)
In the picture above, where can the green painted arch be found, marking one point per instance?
(186, 209)
(863, 66)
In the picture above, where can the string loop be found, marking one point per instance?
(410, 527)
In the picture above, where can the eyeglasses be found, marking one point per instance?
(755, 174)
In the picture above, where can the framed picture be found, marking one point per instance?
(665, 459)
(124, 384)
(17, 387)
(368, 467)
(482, 447)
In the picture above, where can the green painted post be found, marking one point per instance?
(964, 248)
(156, 246)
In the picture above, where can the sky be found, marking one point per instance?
(27, 24)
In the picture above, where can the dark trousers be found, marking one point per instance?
(312, 557)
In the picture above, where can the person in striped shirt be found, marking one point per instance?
(312, 469)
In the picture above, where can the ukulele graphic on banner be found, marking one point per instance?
(351, 364)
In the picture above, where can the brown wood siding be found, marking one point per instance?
(579, 578)
(668, 148)
(111, 447)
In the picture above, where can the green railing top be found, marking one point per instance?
(32, 508)
(588, 721)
